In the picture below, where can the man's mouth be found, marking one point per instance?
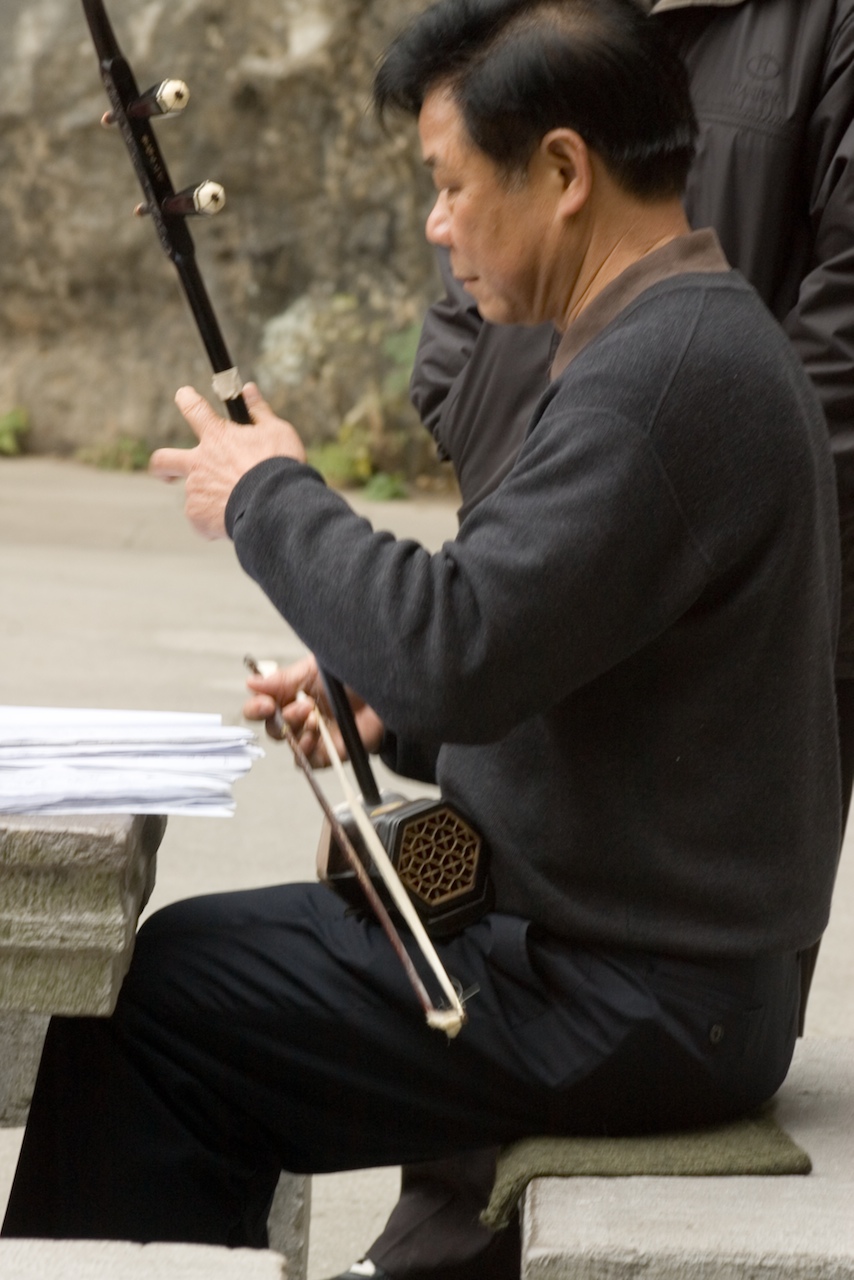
(464, 278)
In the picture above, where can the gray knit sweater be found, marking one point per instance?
(627, 651)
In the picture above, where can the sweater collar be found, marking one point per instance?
(661, 6)
(697, 251)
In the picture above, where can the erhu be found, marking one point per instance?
(436, 853)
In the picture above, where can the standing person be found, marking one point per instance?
(772, 83)
(625, 654)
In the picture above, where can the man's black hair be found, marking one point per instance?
(519, 68)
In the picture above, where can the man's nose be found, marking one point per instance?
(438, 226)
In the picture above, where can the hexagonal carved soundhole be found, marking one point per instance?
(437, 858)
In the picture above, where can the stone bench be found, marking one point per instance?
(71, 892)
(737, 1228)
(117, 1260)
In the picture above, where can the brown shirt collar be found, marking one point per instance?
(696, 251)
(661, 6)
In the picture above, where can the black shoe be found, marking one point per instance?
(364, 1269)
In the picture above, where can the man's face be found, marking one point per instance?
(502, 237)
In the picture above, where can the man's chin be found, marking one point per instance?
(497, 312)
(492, 309)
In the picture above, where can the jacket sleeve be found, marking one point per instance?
(821, 324)
(448, 337)
(476, 386)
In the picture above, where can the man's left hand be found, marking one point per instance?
(225, 452)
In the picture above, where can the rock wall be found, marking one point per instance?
(316, 262)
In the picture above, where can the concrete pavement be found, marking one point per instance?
(108, 599)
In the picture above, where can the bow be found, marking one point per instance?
(132, 112)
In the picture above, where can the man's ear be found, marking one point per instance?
(568, 157)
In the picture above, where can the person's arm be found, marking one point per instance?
(429, 639)
(821, 324)
(440, 644)
(448, 337)
(476, 385)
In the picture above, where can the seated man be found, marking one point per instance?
(774, 175)
(626, 655)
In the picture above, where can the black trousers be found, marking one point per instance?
(434, 1231)
(273, 1029)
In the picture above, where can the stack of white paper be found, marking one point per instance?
(65, 760)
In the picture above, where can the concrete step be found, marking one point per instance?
(738, 1228)
(118, 1260)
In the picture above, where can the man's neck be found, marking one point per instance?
(616, 243)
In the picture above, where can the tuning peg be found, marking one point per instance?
(207, 199)
(165, 99)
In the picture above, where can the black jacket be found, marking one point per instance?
(773, 87)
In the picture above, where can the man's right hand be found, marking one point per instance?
(280, 690)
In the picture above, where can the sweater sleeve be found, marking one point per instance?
(577, 559)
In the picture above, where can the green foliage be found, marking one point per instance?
(348, 463)
(399, 350)
(14, 426)
(383, 487)
(123, 453)
(345, 462)
(373, 445)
